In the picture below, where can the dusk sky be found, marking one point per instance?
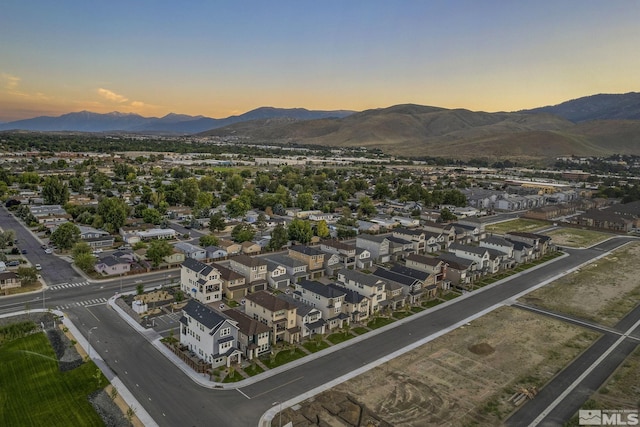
(219, 58)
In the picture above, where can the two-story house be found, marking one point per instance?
(364, 260)
(480, 255)
(191, 251)
(209, 334)
(371, 286)
(296, 269)
(460, 271)
(434, 266)
(429, 282)
(346, 252)
(414, 235)
(327, 300)
(355, 305)
(412, 287)
(254, 270)
(308, 318)
(200, 281)
(522, 252)
(277, 314)
(253, 336)
(277, 276)
(378, 246)
(234, 286)
(539, 242)
(314, 259)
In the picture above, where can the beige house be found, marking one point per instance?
(276, 313)
(232, 248)
(234, 284)
(250, 248)
(310, 256)
(253, 269)
(8, 280)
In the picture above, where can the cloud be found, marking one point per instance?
(9, 82)
(138, 104)
(112, 96)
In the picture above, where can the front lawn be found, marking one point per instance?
(379, 322)
(339, 337)
(314, 345)
(360, 330)
(253, 369)
(284, 356)
(35, 393)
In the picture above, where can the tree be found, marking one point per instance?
(80, 248)
(217, 222)
(191, 190)
(279, 237)
(381, 191)
(304, 201)
(6, 238)
(27, 275)
(447, 215)
(84, 261)
(66, 235)
(242, 232)
(237, 208)
(208, 240)
(300, 230)
(151, 216)
(322, 229)
(54, 191)
(114, 212)
(158, 249)
(366, 207)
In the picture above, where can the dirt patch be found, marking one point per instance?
(603, 291)
(446, 382)
(482, 349)
(576, 238)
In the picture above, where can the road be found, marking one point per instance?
(172, 398)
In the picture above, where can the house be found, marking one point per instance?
(434, 266)
(416, 236)
(399, 248)
(411, 287)
(604, 219)
(378, 246)
(368, 227)
(234, 285)
(539, 242)
(480, 256)
(209, 334)
(174, 258)
(460, 271)
(430, 284)
(215, 252)
(332, 264)
(8, 280)
(95, 238)
(277, 314)
(250, 248)
(155, 234)
(200, 281)
(346, 252)
(110, 266)
(363, 259)
(311, 256)
(371, 286)
(253, 269)
(277, 275)
(232, 248)
(499, 244)
(191, 251)
(355, 305)
(522, 252)
(253, 336)
(395, 297)
(327, 300)
(308, 318)
(296, 269)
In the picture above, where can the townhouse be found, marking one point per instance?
(200, 281)
(277, 314)
(327, 300)
(234, 286)
(314, 259)
(411, 287)
(416, 236)
(253, 336)
(355, 305)
(378, 246)
(308, 318)
(371, 286)
(253, 269)
(209, 334)
(296, 269)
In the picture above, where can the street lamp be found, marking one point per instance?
(91, 330)
(279, 412)
(43, 289)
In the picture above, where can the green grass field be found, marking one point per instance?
(33, 392)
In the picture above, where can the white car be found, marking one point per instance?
(48, 251)
(97, 251)
(38, 267)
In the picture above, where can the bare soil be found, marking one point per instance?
(603, 291)
(464, 377)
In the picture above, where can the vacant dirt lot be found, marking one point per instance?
(576, 238)
(603, 291)
(465, 377)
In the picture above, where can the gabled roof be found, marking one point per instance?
(411, 272)
(302, 308)
(307, 250)
(498, 241)
(423, 259)
(197, 266)
(359, 277)
(372, 238)
(519, 246)
(204, 314)
(249, 261)
(320, 289)
(227, 274)
(409, 231)
(456, 262)
(399, 241)
(110, 261)
(269, 301)
(351, 296)
(247, 325)
(473, 249)
(285, 260)
(396, 277)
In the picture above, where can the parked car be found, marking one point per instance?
(97, 251)
(13, 263)
(38, 267)
(48, 251)
(24, 251)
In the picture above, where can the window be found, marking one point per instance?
(225, 332)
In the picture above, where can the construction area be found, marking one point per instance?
(475, 375)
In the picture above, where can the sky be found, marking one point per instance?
(219, 58)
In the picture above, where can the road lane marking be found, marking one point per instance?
(280, 386)
(241, 392)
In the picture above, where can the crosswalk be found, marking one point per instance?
(87, 303)
(67, 285)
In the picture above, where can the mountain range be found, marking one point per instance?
(597, 125)
(86, 121)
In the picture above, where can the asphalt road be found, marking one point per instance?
(172, 398)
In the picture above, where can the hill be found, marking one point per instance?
(596, 107)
